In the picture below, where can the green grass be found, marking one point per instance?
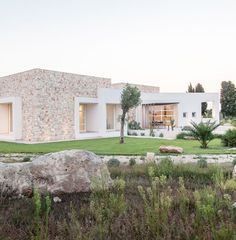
(111, 146)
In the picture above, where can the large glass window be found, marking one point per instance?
(82, 117)
(158, 115)
(110, 116)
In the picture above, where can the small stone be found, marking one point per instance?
(56, 200)
(150, 157)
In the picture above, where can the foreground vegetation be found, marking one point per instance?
(111, 146)
(163, 201)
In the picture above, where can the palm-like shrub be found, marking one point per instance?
(203, 132)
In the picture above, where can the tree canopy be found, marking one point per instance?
(228, 99)
(190, 88)
(130, 98)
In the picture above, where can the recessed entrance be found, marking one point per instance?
(6, 118)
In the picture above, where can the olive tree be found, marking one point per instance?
(130, 98)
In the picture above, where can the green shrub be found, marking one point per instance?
(203, 132)
(216, 135)
(229, 138)
(182, 135)
(26, 159)
(202, 163)
(230, 185)
(142, 158)
(132, 161)
(165, 167)
(37, 213)
(233, 122)
(113, 162)
(133, 125)
(161, 135)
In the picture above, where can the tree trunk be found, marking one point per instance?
(122, 125)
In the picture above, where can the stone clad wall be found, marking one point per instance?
(57, 93)
(24, 85)
(48, 100)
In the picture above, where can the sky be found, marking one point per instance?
(165, 43)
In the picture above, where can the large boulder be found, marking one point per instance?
(61, 172)
(171, 149)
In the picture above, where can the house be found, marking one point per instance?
(42, 105)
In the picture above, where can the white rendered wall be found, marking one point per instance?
(96, 109)
(96, 114)
(187, 102)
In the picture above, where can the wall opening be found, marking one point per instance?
(110, 117)
(207, 109)
(6, 118)
(82, 118)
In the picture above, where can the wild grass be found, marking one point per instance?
(148, 201)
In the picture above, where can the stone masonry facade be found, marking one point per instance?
(48, 101)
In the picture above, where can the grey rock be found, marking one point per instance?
(61, 172)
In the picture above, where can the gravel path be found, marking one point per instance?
(223, 158)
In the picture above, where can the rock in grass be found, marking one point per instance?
(56, 200)
(61, 172)
(171, 149)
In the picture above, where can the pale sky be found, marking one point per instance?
(167, 43)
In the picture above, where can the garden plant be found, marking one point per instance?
(146, 201)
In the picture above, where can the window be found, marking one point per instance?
(82, 117)
(110, 116)
(194, 114)
(184, 114)
(161, 113)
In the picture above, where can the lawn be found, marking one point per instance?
(111, 146)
